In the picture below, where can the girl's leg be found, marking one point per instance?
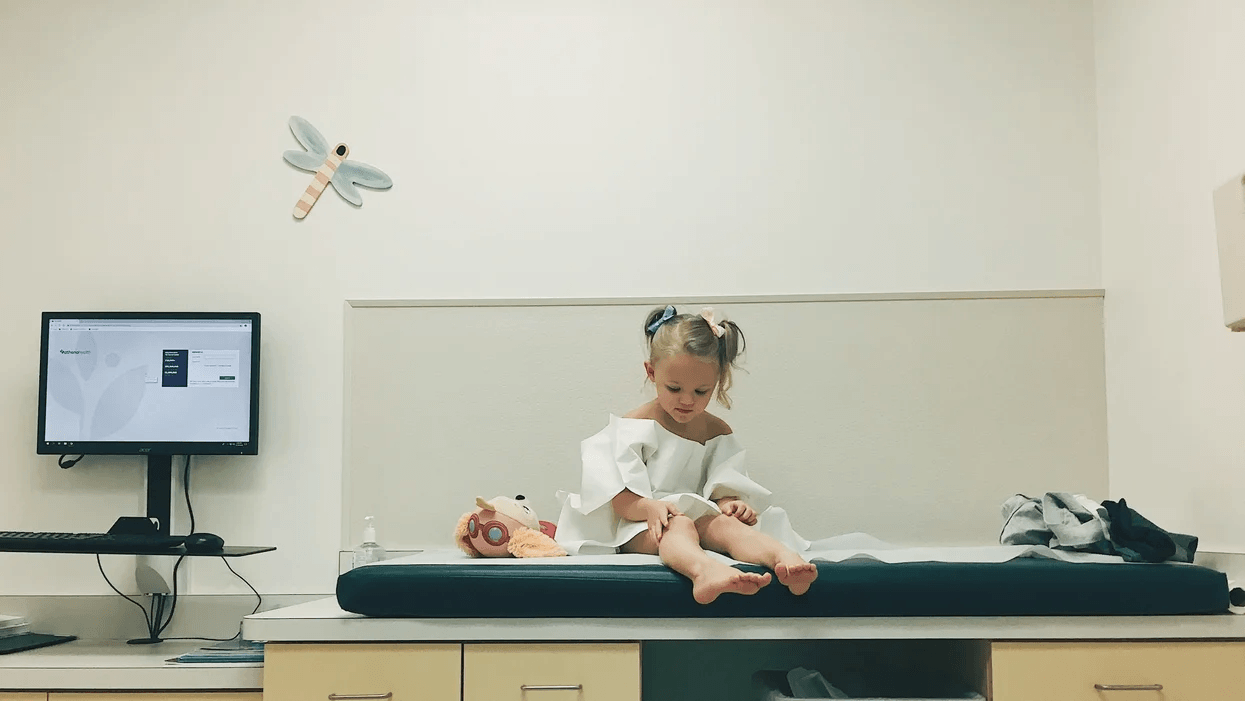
(680, 550)
(729, 535)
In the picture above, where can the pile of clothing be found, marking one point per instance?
(1073, 522)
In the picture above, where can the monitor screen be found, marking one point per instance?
(149, 383)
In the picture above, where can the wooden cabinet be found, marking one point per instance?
(149, 696)
(549, 672)
(362, 672)
(22, 696)
(1128, 671)
(472, 672)
(1018, 671)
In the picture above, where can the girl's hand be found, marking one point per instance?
(738, 509)
(657, 514)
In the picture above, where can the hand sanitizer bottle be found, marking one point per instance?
(368, 551)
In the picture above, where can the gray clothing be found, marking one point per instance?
(1066, 521)
(1060, 520)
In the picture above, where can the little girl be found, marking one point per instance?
(668, 478)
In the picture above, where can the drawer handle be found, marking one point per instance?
(1128, 687)
(552, 687)
(359, 697)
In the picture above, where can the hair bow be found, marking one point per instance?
(665, 316)
(718, 329)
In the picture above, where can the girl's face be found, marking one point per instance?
(685, 384)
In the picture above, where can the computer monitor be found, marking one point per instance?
(155, 384)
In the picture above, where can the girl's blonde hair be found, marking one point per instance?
(669, 333)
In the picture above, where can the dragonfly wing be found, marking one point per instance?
(348, 191)
(309, 137)
(303, 159)
(363, 174)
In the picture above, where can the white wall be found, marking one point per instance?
(572, 149)
(1170, 119)
(913, 422)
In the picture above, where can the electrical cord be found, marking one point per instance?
(258, 595)
(146, 616)
(258, 603)
(190, 509)
(157, 622)
(162, 622)
(66, 464)
(186, 485)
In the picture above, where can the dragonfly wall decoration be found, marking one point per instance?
(330, 167)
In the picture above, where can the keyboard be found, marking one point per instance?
(32, 541)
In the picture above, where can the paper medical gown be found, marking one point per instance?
(642, 456)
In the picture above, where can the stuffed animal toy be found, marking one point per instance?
(505, 527)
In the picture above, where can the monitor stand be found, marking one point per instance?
(160, 491)
(159, 501)
(159, 517)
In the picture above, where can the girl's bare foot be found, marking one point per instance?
(720, 578)
(797, 576)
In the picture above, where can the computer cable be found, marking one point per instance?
(186, 485)
(259, 598)
(259, 602)
(173, 607)
(146, 616)
(156, 620)
(66, 464)
(161, 621)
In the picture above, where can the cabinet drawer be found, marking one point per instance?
(318, 672)
(151, 696)
(1069, 671)
(535, 672)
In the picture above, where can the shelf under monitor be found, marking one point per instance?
(228, 551)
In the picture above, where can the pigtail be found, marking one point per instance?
(732, 343)
(730, 346)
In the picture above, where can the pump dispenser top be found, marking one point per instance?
(369, 550)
